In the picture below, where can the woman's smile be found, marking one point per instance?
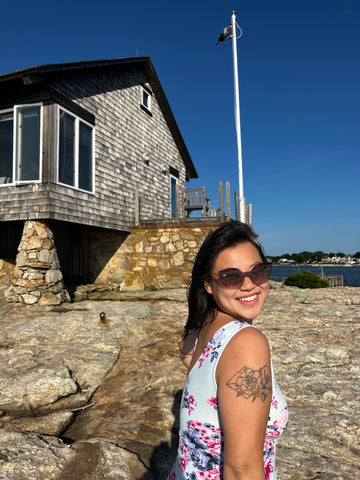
(249, 300)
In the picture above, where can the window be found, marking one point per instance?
(27, 143)
(174, 178)
(6, 147)
(146, 99)
(20, 144)
(76, 152)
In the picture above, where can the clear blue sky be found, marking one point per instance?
(299, 75)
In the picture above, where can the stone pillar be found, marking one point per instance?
(37, 278)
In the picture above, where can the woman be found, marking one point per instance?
(232, 410)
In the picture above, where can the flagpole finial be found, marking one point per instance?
(233, 12)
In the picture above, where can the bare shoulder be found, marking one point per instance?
(249, 338)
(186, 347)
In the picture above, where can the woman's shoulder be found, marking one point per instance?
(248, 341)
(250, 334)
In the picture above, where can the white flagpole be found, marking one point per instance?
(237, 120)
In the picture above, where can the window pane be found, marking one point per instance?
(173, 196)
(6, 147)
(146, 99)
(67, 149)
(85, 157)
(28, 143)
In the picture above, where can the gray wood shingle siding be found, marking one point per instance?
(124, 133)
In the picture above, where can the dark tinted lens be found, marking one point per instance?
(231, 280)
(261, 273)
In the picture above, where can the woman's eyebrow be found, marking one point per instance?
(230, 269)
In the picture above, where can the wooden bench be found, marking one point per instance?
(195, 199)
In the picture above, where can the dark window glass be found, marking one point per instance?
(85, 157)
(173, 183)
(146, 100)
(6, 147)
(67, 149)
(28, 143)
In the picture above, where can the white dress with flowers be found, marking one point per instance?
(201, 440)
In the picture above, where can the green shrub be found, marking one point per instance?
(306, 280)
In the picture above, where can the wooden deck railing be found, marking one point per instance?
(195, 200)
(190, 200)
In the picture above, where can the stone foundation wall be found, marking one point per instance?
(37, 277)
(149, 258)
(5, 272)
(155, 257)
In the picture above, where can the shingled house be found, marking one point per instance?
(87, 147)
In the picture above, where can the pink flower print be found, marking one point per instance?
(195, 423)
(183, 463)
(188, 401)
(204, 355)
(192, 404)
(283, 419)
(274, 403)
(213, 402)
(269, 458)
(268, 469)
(214, 474)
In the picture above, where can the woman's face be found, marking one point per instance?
(244, 302)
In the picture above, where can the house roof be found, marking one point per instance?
(44, 73)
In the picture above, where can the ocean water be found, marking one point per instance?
(351, 274)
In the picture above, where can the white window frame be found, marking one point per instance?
(10, 110)
(14, 110)
(145, 91)
(15, 153)
(76, 159)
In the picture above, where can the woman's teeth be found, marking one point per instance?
(248, 299)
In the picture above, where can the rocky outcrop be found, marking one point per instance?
(37, 277)
(90, 396)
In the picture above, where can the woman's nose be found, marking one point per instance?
(248, 284)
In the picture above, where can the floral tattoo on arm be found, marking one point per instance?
(253, 384)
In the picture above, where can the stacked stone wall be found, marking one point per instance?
(155, 257)
(5, 272)
(37, 278)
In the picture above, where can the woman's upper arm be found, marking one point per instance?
(244, 396)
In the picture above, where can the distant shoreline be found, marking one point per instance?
(319, 265)
(351, 276)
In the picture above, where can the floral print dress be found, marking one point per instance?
(200, 452)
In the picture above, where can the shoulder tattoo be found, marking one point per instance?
(249, 383)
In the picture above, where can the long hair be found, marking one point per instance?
(201, 304)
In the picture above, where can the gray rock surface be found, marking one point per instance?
(84, 397)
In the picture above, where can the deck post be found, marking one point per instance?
(237, 213)
(228, 214)
(221, 198)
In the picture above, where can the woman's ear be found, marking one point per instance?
(207, 286)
